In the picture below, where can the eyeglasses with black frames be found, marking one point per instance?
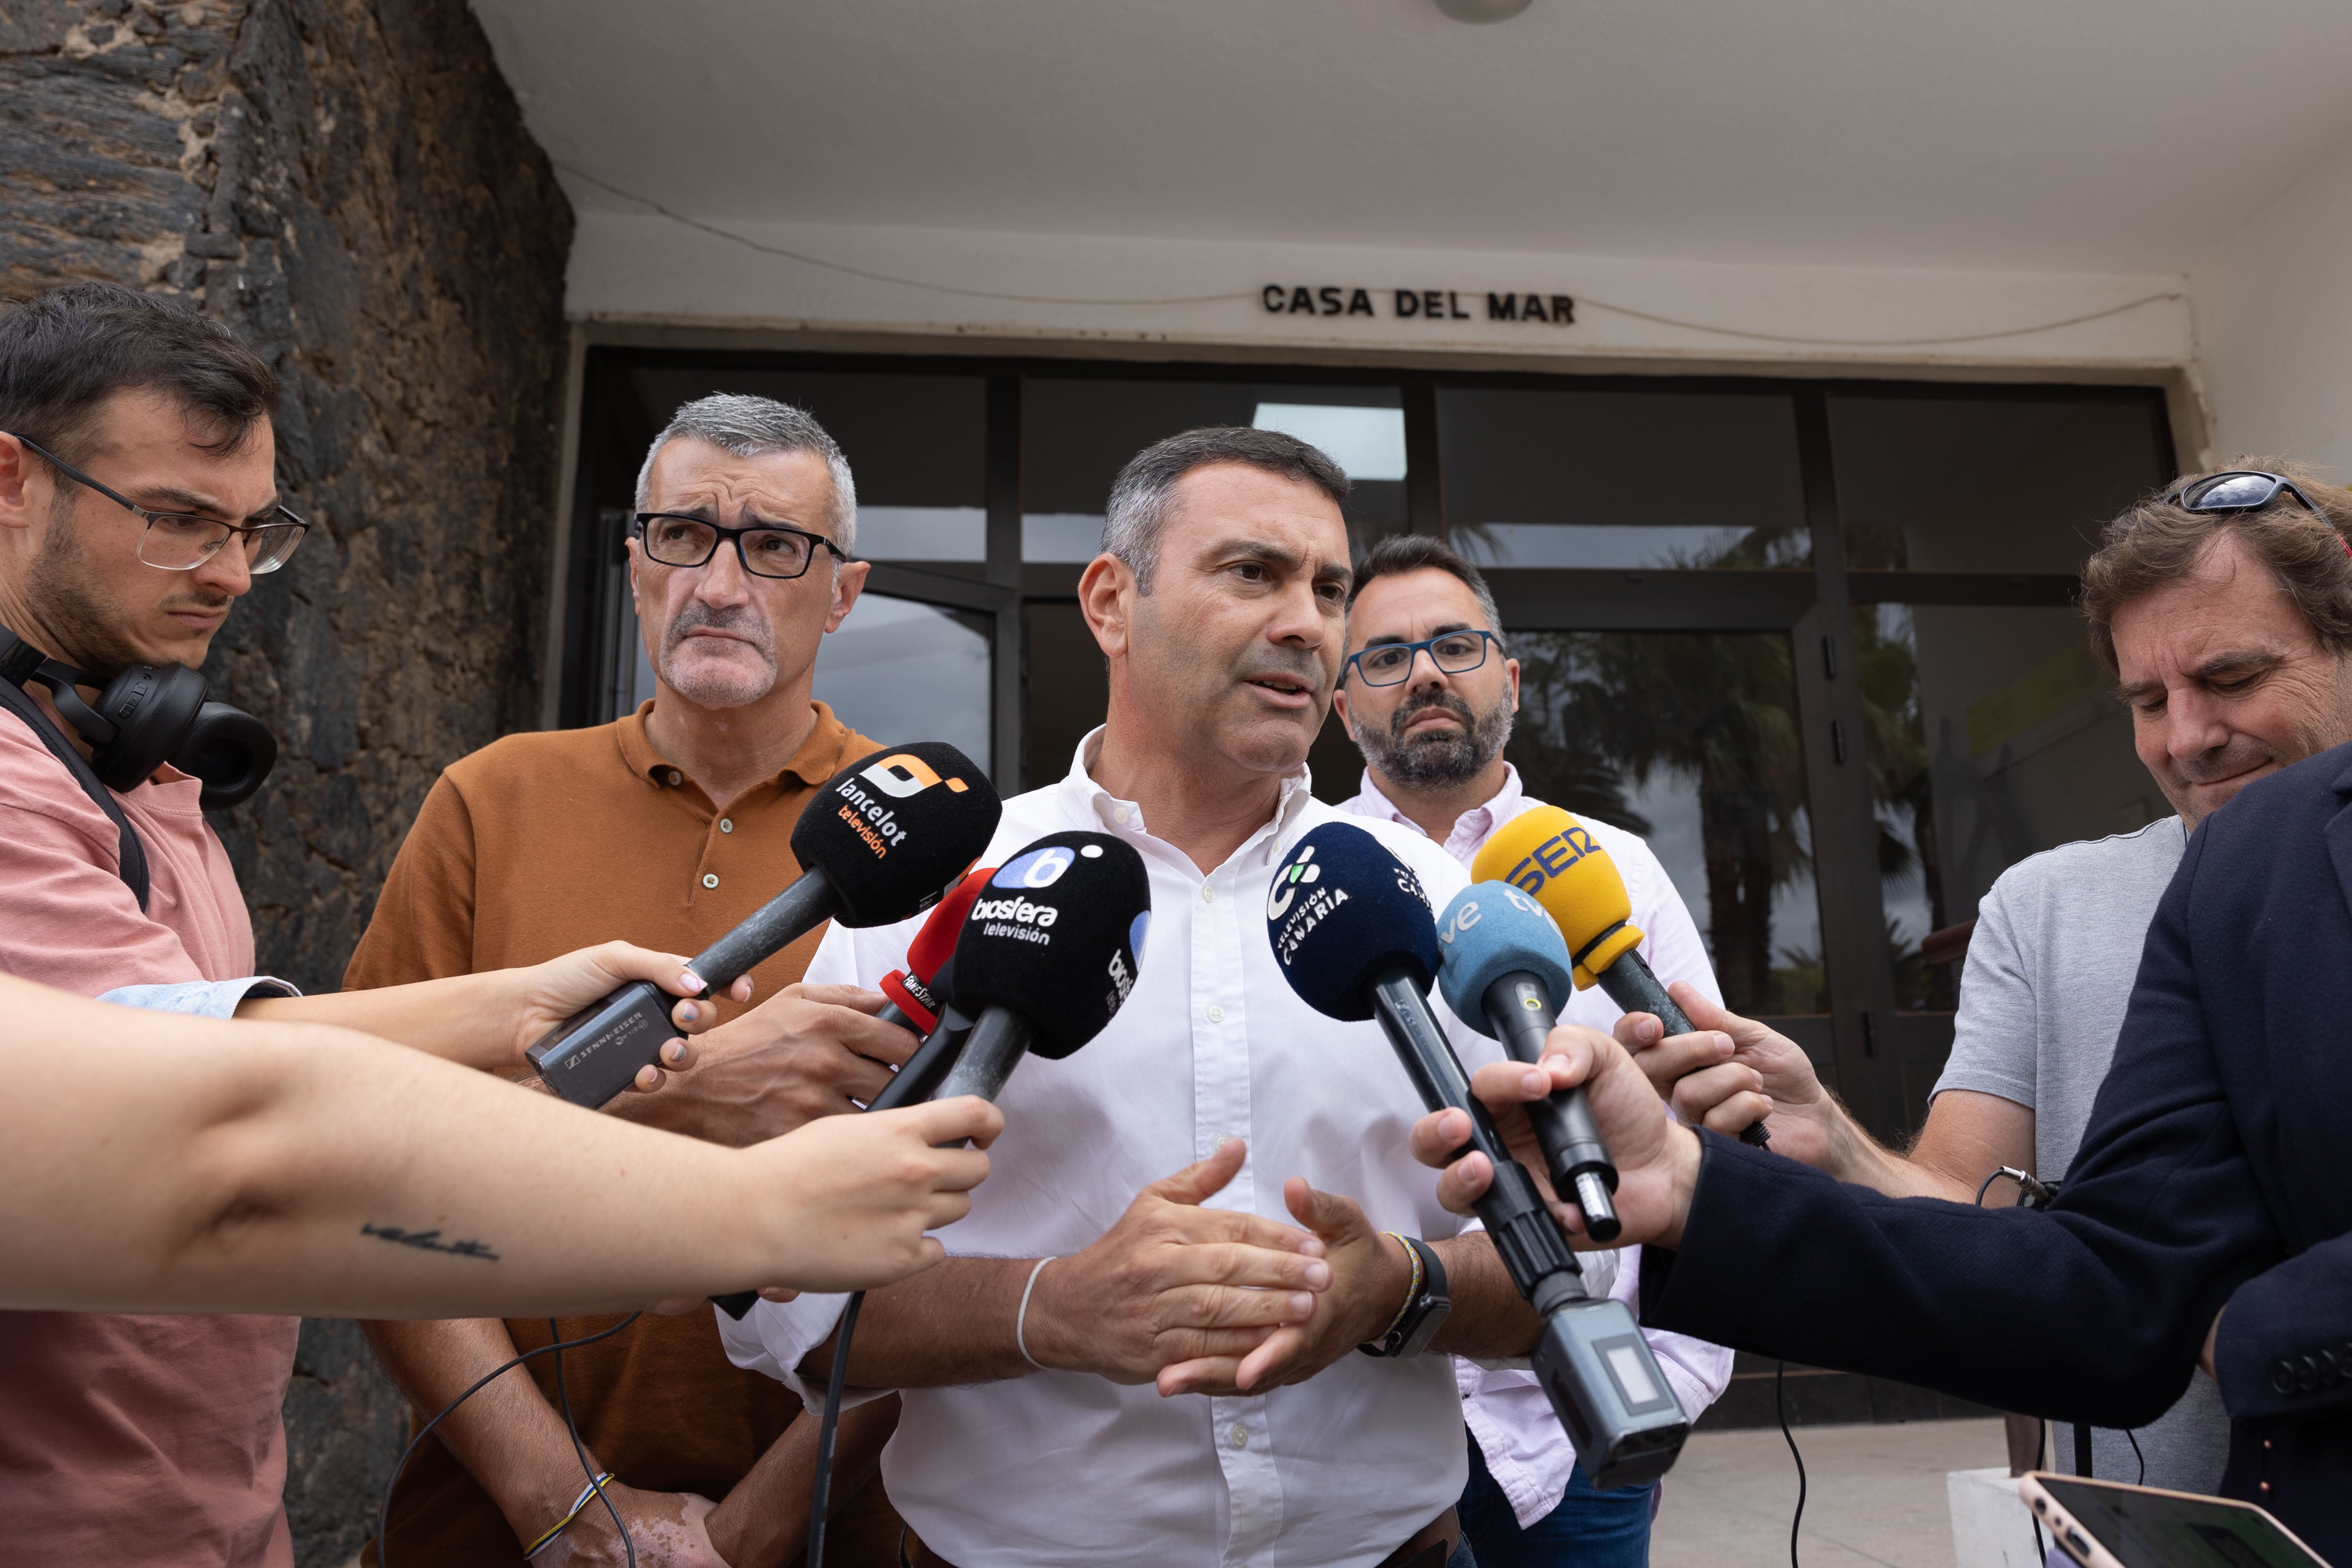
(176, 542)
(770, 550)
(2242, 489)
(1390, 663)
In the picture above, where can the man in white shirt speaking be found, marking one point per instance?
(1143, 1345)
(1428, 691)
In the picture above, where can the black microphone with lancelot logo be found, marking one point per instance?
(882, 841)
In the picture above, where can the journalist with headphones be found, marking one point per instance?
(138, 503)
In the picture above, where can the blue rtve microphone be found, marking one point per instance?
(1353, 934)
(881, 842)
(1505, 963)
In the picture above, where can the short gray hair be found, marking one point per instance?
(1140, 499)
(753, 426)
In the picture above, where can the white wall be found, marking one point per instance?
(2274, 311)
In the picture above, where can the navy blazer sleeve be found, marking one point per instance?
(2285, 1352)
(2094, 1311)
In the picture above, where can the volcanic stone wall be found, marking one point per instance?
(348, 183)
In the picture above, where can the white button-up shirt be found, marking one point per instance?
(1068, 1468)
(1527, 1453)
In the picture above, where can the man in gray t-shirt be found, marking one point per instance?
(2049, 974)
(2229, 677)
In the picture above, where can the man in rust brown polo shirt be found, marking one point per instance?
(667, 827)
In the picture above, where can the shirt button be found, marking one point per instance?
(676, 777)
(1208, 894)
(1241, 1437)
(710, 879)
(1122, 815)
(726, 825)
(1217, 1015)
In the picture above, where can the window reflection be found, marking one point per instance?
(897, 669)
(1620, 479)
(1689, 739)
(1992, 735)
(1981, 484)
(1078, 434)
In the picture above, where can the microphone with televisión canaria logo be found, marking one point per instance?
(882, 841)
(1353, 933)
(1505, 963)
(1553, 858)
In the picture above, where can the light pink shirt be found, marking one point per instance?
(130, 1442)
(1526, 1452)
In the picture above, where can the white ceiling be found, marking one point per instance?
(2096, 136)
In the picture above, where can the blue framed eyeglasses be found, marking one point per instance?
(1390, 663)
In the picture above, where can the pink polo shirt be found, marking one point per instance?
(127, 1442)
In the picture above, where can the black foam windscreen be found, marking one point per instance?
(894, 830)
(1344, 911)
(1056, 936)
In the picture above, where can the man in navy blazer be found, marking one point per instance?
(2208, 1212)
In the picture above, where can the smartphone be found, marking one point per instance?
(2107, 1524)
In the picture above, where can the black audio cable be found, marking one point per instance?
(820, 1488)
(1780, 1408)
(384, 1508)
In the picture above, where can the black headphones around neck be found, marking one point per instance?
(149, 715)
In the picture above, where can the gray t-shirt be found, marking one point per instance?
(2050, 971)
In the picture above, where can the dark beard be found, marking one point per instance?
(1443, 759)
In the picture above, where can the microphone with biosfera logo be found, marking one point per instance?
(881, 842)
(1051, 950)
(1504, 965)
(1353, 933)
(1554, 860)
(1051, 943)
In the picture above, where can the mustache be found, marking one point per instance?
(1426, 700)
(738, 621)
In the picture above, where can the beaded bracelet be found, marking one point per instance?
(595, 1488)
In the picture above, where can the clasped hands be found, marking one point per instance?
(1210, 1301)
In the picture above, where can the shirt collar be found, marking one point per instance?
(820, 757)
(1087, 800)
(1373, 800)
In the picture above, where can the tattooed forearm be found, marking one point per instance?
(430, 1241)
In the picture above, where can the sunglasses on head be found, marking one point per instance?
(2242, 489)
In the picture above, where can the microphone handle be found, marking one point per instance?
(997, 1043)
(894, 1014)
(1526, 1235)
(1631, 983)
(915, 1082)
(1519, 1010)
(783, 920)
(910, 1085)
(1590, 1357)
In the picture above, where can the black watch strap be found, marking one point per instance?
(1423, 1315)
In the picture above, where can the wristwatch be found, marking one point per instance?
(1419, 1323)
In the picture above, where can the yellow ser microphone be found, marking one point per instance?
(1554, 860)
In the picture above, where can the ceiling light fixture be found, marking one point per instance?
(1482, 10)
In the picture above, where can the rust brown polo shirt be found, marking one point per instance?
(534, 846)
